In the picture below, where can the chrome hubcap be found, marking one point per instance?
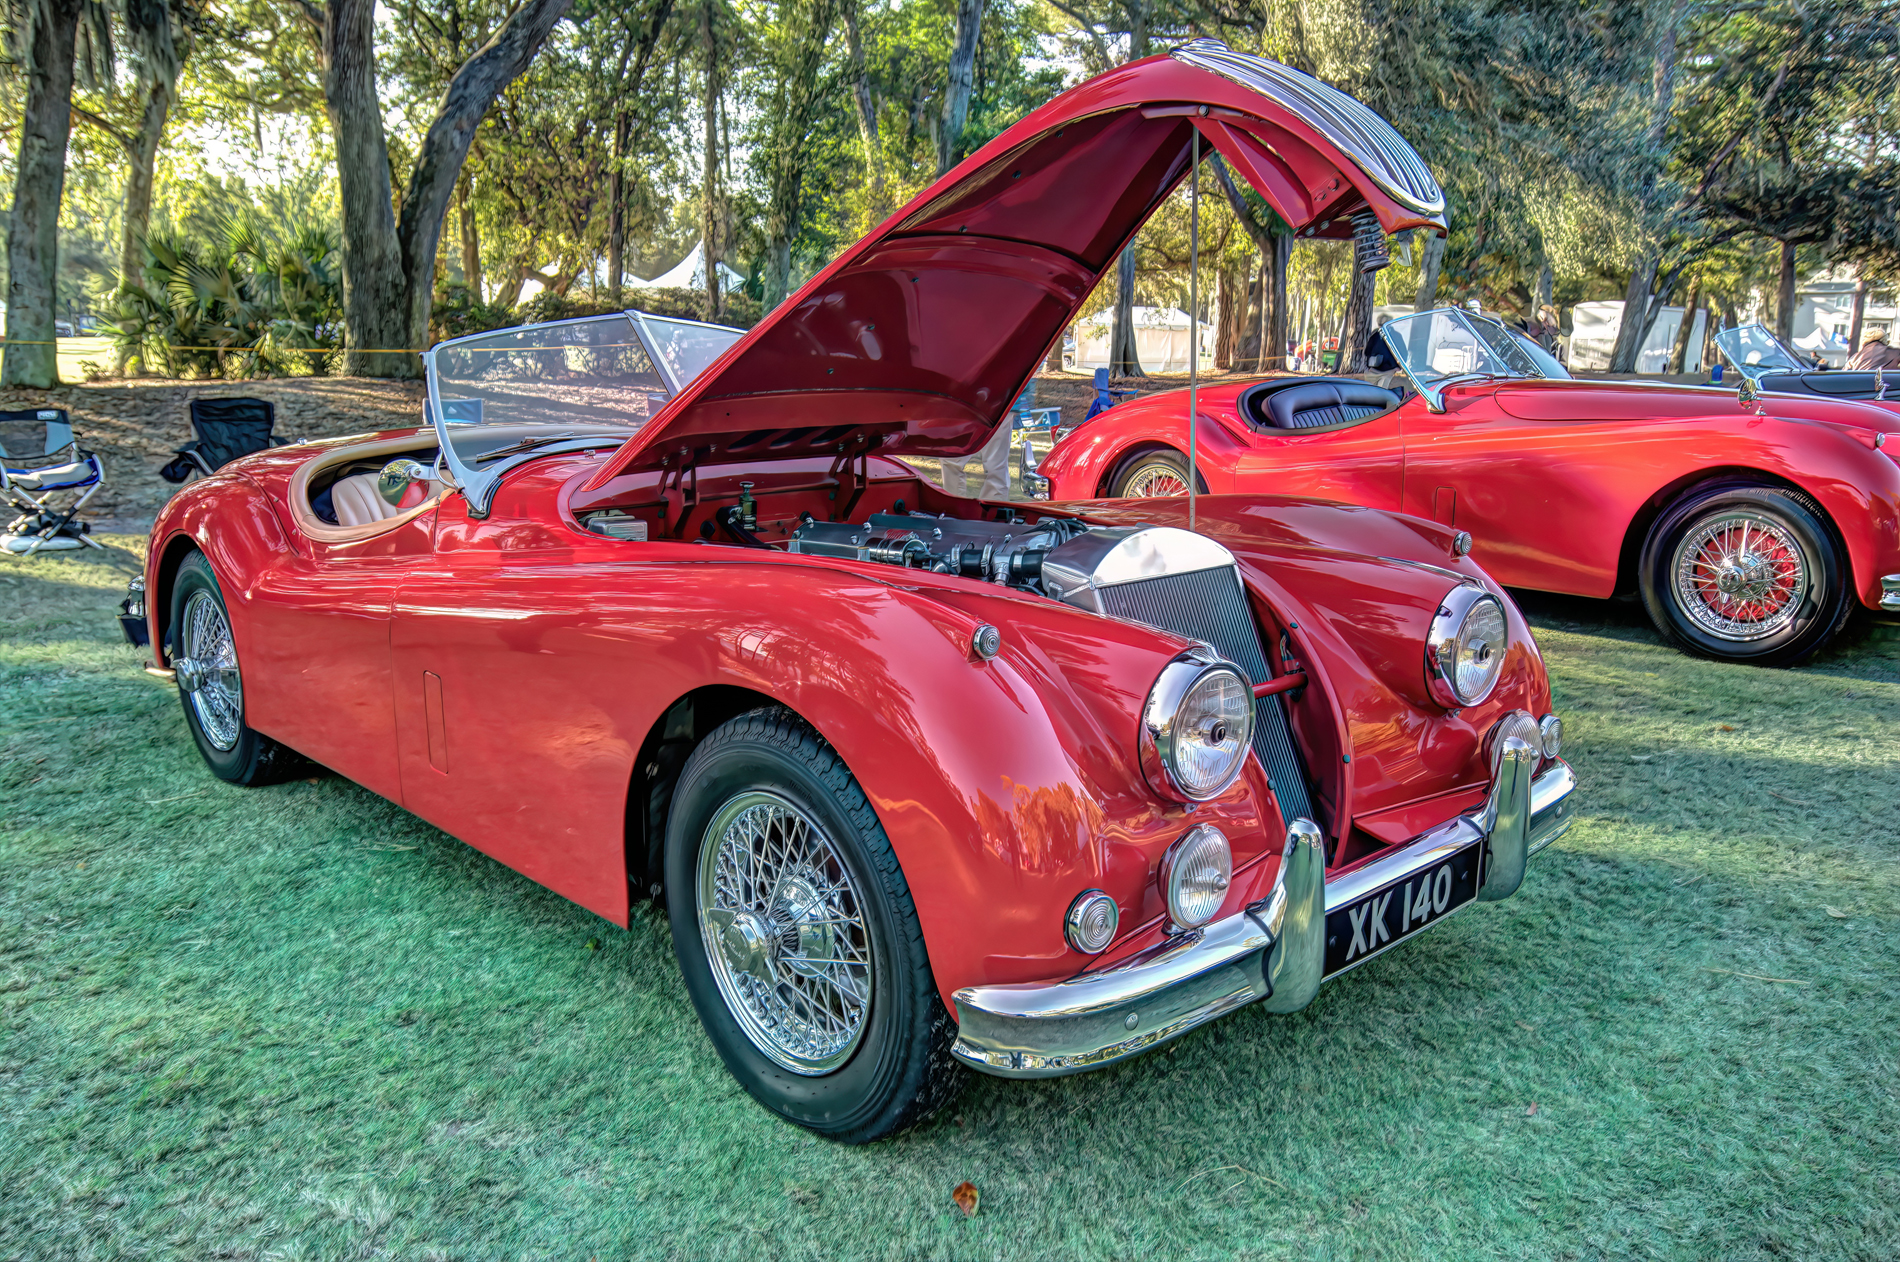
(207, 671)
(1151, 481)
(784, 930)
(1740, 576)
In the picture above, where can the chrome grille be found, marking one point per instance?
(1211, 605)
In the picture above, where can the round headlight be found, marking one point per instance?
(1091, 922)
(1464, 651)
(1195, 875)
(1196, 727)
(1551, 730)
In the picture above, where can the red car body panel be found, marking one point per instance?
(500, 678)
(1556, 481)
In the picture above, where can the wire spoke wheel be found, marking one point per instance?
(783, 924)
(1740, 575)
(1149, 481)
(209, 664)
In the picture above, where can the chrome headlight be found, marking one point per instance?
(1195, 874)
(1551, 729)
(1464, 652)
(1196, 727)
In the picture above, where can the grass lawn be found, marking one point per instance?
(298, 1023)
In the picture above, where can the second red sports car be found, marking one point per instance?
(1752, 525)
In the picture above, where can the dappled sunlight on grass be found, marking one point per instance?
(298, 1022)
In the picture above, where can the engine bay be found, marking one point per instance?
(1007, 553)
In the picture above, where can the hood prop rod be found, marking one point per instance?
(1194, 315)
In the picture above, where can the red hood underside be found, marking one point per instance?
(918, 338)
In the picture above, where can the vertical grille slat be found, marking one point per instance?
(1211, 605)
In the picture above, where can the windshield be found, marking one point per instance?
(1755, 351)
(1443, 343)
(686, 348)
(593, 372)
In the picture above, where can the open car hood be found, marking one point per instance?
(918, 338)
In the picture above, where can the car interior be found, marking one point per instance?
(1314, 403)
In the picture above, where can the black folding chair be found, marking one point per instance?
(226, 429)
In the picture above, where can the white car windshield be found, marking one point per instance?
(1755, 351)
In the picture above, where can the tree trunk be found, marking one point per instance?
(867, 113)
(1431, 260)
(961, 76)
(1273, 356)
(1631, 328)
(709, 199)
(1784, 295)
(389, 261)
(1227, 292)
(38, 185)
(1352, 339)
(471, 239)
(1679, 353)
(1124, 358)
(617, 207)
(789, 146)
(1860, 315)
(138, 182)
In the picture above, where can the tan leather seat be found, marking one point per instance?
(357, 503)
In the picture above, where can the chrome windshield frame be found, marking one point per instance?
(1433, 392)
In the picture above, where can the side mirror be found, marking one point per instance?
(1747, 392)
(396, 478)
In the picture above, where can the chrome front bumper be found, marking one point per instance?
(1272, 952)
(1890, 592)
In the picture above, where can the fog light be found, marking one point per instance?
(1195, 875)
(1091, 922)
(1551, 731)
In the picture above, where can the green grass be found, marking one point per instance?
(295, 1022)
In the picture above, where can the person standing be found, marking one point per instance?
(1874, 353)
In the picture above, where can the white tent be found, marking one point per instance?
(1161, 339)
(690, 274)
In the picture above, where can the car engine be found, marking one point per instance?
(1010, 553)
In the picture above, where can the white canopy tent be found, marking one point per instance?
(1594, 327)
(1161, 339)
(690, 274)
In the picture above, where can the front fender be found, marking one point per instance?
(230, 519)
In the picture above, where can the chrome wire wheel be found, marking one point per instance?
(1154, 479)
(784, 930)
(207, 671)
(1740, 575)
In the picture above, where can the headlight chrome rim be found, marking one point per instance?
(1092, 922)
(1165, 730)
(1447, 643)
(1195, 876)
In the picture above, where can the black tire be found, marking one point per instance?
(1802, 569)
(1147, 466)
(899, 1070)
(235, 753)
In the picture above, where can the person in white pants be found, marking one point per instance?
(995, 456)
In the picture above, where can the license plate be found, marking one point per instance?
(1357, 932)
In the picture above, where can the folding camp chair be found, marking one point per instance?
(41, 463)
(225, 429)
(1105, 398)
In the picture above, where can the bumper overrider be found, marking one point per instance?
(1273, 952)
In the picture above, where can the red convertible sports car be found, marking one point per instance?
(1751, 524)
(649, 609)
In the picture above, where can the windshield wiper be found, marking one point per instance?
(526, 444)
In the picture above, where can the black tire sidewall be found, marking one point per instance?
(867, 1096)
(1829, 596)
(251, 760)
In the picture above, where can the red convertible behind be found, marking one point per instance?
(1752, 525)
(650, 610)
